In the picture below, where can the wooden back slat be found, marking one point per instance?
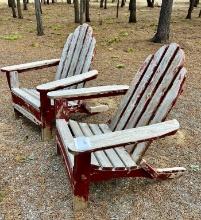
(77, 53)
(162, 111)
(137, 91)
(155, 81)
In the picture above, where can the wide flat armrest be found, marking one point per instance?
(119, 138)
(30, 66)
(69, 81)
(87, 93)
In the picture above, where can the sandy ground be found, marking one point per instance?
(33, 182)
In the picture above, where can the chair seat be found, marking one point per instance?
(114, 159)
(32, 96)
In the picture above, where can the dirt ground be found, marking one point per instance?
(33, 182)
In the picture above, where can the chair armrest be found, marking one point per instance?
(120, 138)
(88, 93)
(30, 66)
(69, 81)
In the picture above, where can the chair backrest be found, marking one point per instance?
(77, 53)
(152, 93)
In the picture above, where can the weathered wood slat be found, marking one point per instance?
(126, 99)
(77, 94)
(128, 136)
(14, 80)
(27, 114)
(70, 52)
(27, 97)
(65, 135)
(111, 154)
(121, 151)
(30, 66)
(156, 72)
(63, 57)
(160, 82)
(100, 155)
(68, 81)
(162, 111)
(79, 47)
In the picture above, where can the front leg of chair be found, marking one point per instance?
(81, 177)
(47, 116)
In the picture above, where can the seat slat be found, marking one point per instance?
(111, 154)
(63, 57)
(121, 151)
(27, 97)
(96, 158)
(66, 137)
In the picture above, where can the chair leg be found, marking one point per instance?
(16, 114)
(162, 174)
(46, 133)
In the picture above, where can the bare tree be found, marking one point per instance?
(19, 10)
(76, 10)
(123, 2)
(163, 30)
(25, 5)
(13, 8)
(87, 12)
(190, 9)
(132, 8)
(40, 30)
(150, 3)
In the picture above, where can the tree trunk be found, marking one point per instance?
(25, 5)
(81, 11)
(9, 3)
(196, 3)
(199, 14)
(163, 30)
(40, 30)
(123, 2)
(19, 10)
(13, 8)
(76, 9)
(190, 9)
(105, 5)
(101, 3)
(68, 1)
(150, 3)
(87, 11)
(117, 15)
(132, 8)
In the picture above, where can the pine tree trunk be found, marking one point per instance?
(9, 3)
(87, 11)
(117, 15)
(101, 3)
(40, 30)
(76, 10)
(199, 14)
(68, 1)
(19, 10)
(25, 5)
(123, 2)
(163, 30)
(81, 11)
(13, 8)
(150, 3)
(190, 9)
(105, 5)
(196, 3)
(132, 8)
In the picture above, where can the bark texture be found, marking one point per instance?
(132, 8)
(40, 30)
(163, 30)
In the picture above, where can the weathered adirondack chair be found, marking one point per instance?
(75, 59)
(96, 152)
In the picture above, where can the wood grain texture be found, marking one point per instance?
(30, 66)
(124, 137)
(100, 91)
(62, 83)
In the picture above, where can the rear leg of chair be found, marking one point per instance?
(162, 174)
(17, 114)
(46, 133)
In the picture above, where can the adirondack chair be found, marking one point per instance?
(75, 59)
(96, 152)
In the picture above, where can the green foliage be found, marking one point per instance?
(120, 66)
(113, 40)
(195, 168)
(10, 37)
